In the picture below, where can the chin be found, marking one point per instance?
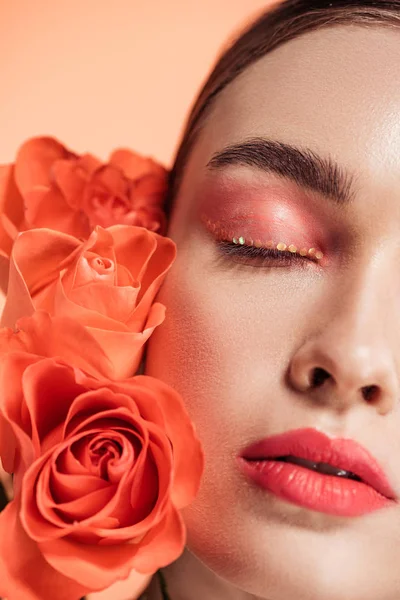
(279, 551)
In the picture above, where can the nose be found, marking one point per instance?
(349, 360)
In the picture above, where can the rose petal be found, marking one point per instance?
(71, 181)
(18, 301)
(162, 545)
(49, 389)
(43, 521)
(152, 219)
(34, 161)
(160, 458)
(46, 208)
(88, 162)
(103, 400)
(98, 306)
(4, 272)
(134, 165)
(24, 573)
(8, 445)
(156, 268)
(92, 268)
(189, 460)
(71, 487)
(48, 250)
(11, 206)
(72, 177)
(11, 201)
(7, 483)
(60, 337)
(146, 254)
(101, 243)
(154, 317)
(148, 190)
(128, 589)
(17, 450)
(69, 466)
(39, 519)
(156, 257)
(11, 230)
(84, 507)
(116, 343)
(111, 180)
(124, 277)
(95, 567)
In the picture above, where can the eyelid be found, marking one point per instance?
(224, 234)
(249, 255)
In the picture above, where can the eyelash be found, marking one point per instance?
(264, 255)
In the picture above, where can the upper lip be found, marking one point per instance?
(311, 444)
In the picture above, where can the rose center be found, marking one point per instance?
(102, 265)
(101, 453)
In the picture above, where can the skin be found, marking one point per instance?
(240, 341)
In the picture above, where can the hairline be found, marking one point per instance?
(202, 108)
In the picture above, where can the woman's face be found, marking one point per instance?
(244, 334)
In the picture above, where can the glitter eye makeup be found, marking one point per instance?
(264, 223)
(234, 243)
(311, 253)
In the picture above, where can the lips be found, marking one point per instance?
(361, 480)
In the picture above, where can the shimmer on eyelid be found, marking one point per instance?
(265, 212)
(241, 232)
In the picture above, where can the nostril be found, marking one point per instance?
(319, 376)
(370, 392)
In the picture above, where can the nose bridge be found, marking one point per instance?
(355, 345)
(364, 314)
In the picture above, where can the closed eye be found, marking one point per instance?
(263, 257)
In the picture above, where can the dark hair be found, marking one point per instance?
(281, 23)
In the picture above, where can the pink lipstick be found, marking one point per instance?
(306, 467)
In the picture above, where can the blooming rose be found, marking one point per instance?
(50, 186)
(101, 470)
(106, 283)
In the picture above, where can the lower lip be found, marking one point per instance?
(324, 493)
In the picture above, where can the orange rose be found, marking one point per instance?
(107, 283)
(101, 471)
(50, 186)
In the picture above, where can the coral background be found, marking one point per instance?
(105, 73)
(100, 74)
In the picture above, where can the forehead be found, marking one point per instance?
(334, 90)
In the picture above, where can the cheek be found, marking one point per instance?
(226, 338)
(224, 346)
(191, 350)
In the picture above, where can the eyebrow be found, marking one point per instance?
(302, 166)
